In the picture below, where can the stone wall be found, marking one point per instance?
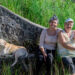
(18, 30)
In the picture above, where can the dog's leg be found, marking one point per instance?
(14, 63)
(16, 59)
(24, 65)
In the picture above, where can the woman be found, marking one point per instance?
(48, 40)
(66, 45)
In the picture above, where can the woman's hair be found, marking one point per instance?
(54, 18)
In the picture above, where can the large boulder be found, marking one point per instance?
(18, 30)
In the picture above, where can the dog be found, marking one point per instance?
(18, 51)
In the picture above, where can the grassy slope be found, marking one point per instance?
(40, 11)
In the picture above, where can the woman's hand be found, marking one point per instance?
(44, 53)
(45, 56)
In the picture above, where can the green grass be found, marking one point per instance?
(6, 70)
(40, 11)
(18, 70)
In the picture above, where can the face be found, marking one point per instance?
(53, 24)
(2, 42)
(68, 26)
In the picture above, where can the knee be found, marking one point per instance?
(72, 68)
(40, 58)
(50, 58)
(69, 64)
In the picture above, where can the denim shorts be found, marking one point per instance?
(69, 62)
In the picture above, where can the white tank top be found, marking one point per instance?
(48, 42)
(63, 52)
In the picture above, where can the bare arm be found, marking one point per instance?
(42, 39)
(62, 41)
(41, 44)
(74, 35)
(43, 51)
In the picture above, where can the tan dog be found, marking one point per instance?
(11, 48)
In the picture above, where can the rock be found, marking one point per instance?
(18, 30)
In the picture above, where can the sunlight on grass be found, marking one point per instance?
(40, 11)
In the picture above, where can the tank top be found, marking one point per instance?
(63, 52)
(49, 42)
